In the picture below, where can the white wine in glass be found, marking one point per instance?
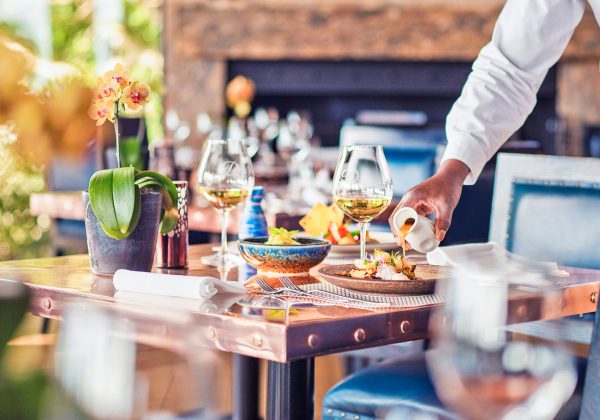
(362, 186)
(225, 179)
(225, 198)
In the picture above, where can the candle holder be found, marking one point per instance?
(172, 248)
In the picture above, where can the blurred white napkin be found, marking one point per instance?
(491, 257)
(167, 302)
(173, 285)
(217, 304)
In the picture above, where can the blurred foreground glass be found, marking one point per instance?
(172, 248)
(123, 364)
(483, 371)
(362, 186)
(225, 179)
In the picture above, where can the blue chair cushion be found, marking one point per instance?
(405, 384)
(377, 389)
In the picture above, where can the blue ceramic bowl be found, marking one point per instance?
(292, 259)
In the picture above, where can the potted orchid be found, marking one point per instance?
(125, 207)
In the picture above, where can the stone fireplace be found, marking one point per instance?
(339, 56)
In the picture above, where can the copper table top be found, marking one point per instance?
(274, 335)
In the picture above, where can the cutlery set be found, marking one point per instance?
(290, 289)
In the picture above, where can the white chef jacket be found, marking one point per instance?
(529, 37)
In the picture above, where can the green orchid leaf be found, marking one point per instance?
(137, 211)
(169, 220)
(115, 197)
(101, 200)
(123, 191)
(166, 183)
(169, 213)
(116, 201)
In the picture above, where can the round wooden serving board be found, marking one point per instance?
(427, 275)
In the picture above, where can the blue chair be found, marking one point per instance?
(68, 174)
(412, 154)
(538, 203)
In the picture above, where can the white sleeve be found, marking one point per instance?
(529, 37)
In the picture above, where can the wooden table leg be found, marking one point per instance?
(290, 390)
(245, 387)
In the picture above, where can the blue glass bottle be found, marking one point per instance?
(253, 223)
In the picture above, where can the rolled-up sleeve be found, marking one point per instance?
(529, 37)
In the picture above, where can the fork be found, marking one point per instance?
(289, 284)
(264, 299)
(267, 288)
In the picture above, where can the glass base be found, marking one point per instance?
(223, 260)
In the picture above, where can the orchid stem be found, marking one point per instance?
(117, 134)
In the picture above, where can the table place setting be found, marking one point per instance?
(322, 292)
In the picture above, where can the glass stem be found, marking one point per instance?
(224, 219)
(363, 241)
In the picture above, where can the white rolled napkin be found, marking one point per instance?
(193, 287)
(491, 257)
(168, 302)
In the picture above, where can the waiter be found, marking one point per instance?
(528, 39)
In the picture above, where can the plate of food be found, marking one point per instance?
(328, 222)
(384, 272)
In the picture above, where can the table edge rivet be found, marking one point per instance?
(313, 340)
(405, 327)
(593, 297)
(212, 333)
(257, 340)
(47, 303)
(359, 335)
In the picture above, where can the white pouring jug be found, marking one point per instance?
(421, 236)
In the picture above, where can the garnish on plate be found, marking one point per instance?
(384, 266)
(281, 236)
(328, 222)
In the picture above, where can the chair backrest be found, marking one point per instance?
(71, 174)
(412, 154)
(548, 207)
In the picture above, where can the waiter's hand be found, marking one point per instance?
(438, 194)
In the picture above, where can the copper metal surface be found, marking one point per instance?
(279, 336)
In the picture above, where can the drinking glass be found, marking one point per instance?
(225, 179)
(362, 186)
(483, 371)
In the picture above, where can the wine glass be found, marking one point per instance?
(362, 186)
(483, 371)
(225, 179)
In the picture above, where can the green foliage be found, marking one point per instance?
(21, 234)
(143, 23)
(72, 38)
(25, 236)
(116, 199)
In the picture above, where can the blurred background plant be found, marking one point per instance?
(54, 74)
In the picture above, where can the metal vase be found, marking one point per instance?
(172, 248)
(136, 252)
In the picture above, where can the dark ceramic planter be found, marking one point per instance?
(135, 252)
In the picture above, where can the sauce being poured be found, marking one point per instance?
(403, 231)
